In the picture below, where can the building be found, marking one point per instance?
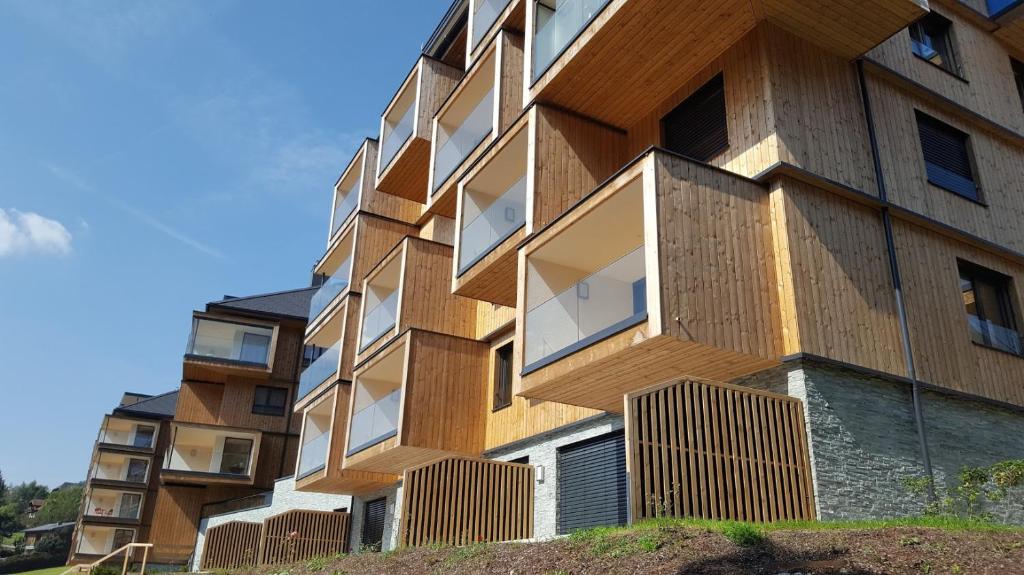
(227, 433)
(34, 534)
(621, 258)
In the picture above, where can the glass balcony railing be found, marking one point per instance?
(486, 13)
(330, 290)
(396, 137)
(375, 423)
(325, 366)
(492, 226)
(230, 341)
(997, 7)
(314, 454)
(588, 311)
(558, 27)
(464, 139)
(987, 333)
(380, 319)
(344, 208)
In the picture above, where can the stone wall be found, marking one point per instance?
(392, 517)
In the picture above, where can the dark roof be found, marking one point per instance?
(50, 527)
(163, 405)
(289, 304)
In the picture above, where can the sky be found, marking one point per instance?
(155, 156)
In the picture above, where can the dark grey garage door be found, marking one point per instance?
(592, 483)
(373, 524)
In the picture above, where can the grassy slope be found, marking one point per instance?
(47, 571)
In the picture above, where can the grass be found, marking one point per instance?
(47, 571)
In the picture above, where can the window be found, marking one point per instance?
(931, 38)
(986, 296)
(235, 460)
(129, 507)
(947, 157)
(136, 470)
(122, 537)
(269, 400)
(311, 353)
(503, 377)
(144, 436)
(255, 348)
(697, 127)
(1018, 78)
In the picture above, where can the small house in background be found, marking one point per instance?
(34, 506)
(35, 534)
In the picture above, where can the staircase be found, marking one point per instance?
(128, 550)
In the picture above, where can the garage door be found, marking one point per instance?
(592, 483)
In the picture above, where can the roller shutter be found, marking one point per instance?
(592, 483)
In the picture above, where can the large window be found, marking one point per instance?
(270, 400)
(503, 377)
(947, 157)
(697, 127)
(235, 460)
(137, 469)
(931, 38)
(989, 306)
(144, 436)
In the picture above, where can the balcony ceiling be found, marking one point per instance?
(641, 51)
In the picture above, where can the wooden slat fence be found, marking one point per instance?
(291, 536)
(458, 501)
(231, 545)
(717, 451)
(299, 535)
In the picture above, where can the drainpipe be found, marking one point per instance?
(897, 283)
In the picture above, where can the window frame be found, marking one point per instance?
(248, 462)
(951, 58)
(713, 82)
(501, 396)
(267, 408)
(937, 124)
(1003, 285)
(1017, 67)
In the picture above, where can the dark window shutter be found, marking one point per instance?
(946, 157)
(373, 524)
(697, 127)
(592, 483)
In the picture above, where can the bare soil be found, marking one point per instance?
(685, 550)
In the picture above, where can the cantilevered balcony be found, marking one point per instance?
(333, 286)
(113, 506)
(322, 447)
(419, 399)
(619, 295)
(98, 540)
(120, 469)
(491, 222)
(219, 347)
(346, 199)
(411, 288)
(405, 129)
(129, 435)
(483, 16)
(583, 54)
(323, 370)
(206, 454)
(483, 105)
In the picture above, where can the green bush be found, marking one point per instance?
(744, 534)
(975, 487)
(105, 570)
(30, 562)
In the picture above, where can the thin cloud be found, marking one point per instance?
(30, 233)
(140, 215)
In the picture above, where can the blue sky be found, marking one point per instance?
(155, 156)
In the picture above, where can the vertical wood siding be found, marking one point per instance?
(298, 535)
(459, 501)
(232, 545)
(715, 451)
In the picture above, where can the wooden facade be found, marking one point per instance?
(460, 501)
(231, 545)
(715, 451)
(288, 537)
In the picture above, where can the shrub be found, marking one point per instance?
(743, 534)
(974, 488)
(30, 562)
(53, 544)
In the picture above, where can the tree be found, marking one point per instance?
(3, 488)
(61, 506)
(54, 544)
(22, 493)
(10, 520)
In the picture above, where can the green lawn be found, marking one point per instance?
(47, 571)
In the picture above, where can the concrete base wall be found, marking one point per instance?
(864, 444)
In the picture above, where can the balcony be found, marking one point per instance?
(112, 506)
(483, 106)
(120, 469)
(220, 347)
(323, 370)
(206, 454)
(411, 288)
(324, 427)
(98, 541)
(346, 199)
(331, 289)
(583, 54)
(483, 15)
(601, 321)
(130, 435)
(419, 399)
(491, 222)
(405, 129)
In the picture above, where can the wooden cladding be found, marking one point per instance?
(717, 451)
(291, 536)
(234, 544)
(458, 501)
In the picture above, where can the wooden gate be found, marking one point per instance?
(299, 535)
(231, 545)
(717, 451)
(459, 500)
